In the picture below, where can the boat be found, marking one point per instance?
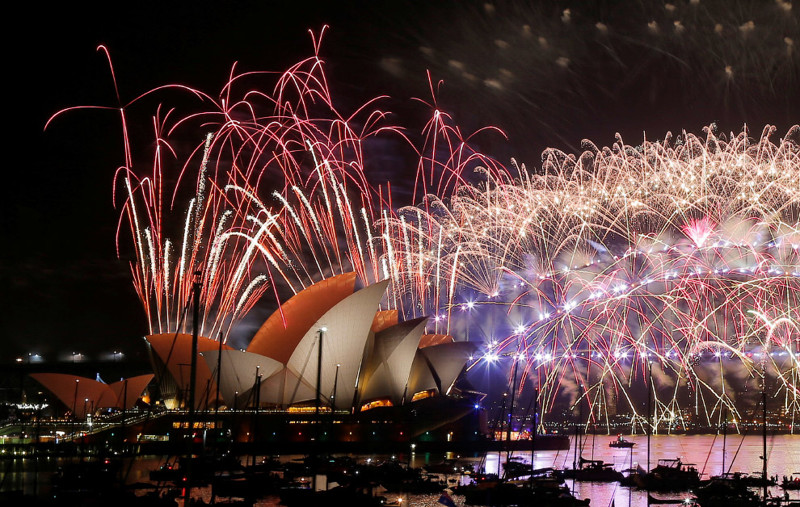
(651, 500)
(250, 481)
(515, 467)
(542, 442)
(544, 488)
(621, 442)
(749, 480)
(397, 477)
(726, 492)
(203, 468)
(540, 478)
(732, 490)
(88, 478)
(593, 471)
(633, 477)
(669, 475)
(448, 466)
(168, 472)
(340, 495)
(546, 478)
(791, 482)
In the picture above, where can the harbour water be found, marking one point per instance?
(742, 453)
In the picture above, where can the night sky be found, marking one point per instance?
(548, 74)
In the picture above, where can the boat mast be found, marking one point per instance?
(577, 436)
(724, 439)
(594, 427)
(318, 401)
(124, 409)
(499, 423)
(511, 408)
(257, 396)
(196, 286)
(217, 424)
(535, 428)
(320, 331)
(577, 432)
(649, 427)
(195, 331)
(764, 423)
(219, 373)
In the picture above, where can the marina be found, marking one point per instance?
(33, 477)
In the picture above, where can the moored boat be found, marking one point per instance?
(528, 492)
(621, 442)
(669, 475)
(726, 492)
(593, 471)
(791, 482)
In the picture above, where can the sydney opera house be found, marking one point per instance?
(328, 354)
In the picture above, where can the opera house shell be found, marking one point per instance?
(83, 396)
(368, 358)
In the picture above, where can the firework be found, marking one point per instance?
(674, 260)
(277, 193)
(667, 253)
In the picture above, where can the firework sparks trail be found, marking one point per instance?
(278, 195)
(622, 256)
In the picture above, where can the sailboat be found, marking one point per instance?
(590, 470)
(726, 491)
(668, 474)
(732, 489)
(593, 471)
(726, 488)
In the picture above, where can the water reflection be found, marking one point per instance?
(742, 453)
(705, 451)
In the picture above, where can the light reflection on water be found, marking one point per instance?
(705, 451)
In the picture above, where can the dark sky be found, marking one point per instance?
(549, 74)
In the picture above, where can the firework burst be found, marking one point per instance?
(277, 189)
(668, 252)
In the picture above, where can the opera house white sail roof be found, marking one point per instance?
(238, 372)
(388, 366)
(367, 355)
(82, 395)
